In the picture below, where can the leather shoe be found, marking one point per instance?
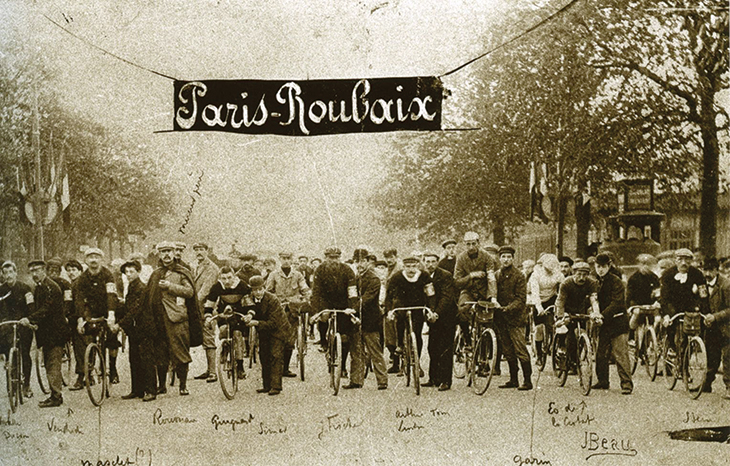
(391, 370)
(430, 383)
(509, 384)
(131, 396)
(27, 392)
(274, 391)
(149, 397)
(262, 390)
(203, 376)
(184, 391)
(727, 394)
(51, 402)
(525, 386)
(382, 387)
(289, 374)
(351, 385)
(626, 391)
(444, 386)
(599, 386)
(161, 391)
(78, 385)
(211, 378)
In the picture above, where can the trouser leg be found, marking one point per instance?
(135, 369)
(620, 350)
(182, 374)
(147, 366)
(277, 363)
(79, 342)
(357, 363)
(26, 339)
(434, 347)
(265, 361)
(726, 362)
(372, 341)
(52, 360)
(445, 354)
(713, 343)
(604, 347)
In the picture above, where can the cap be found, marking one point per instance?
(164, 246)
(131, 263)
(257, 281)
(285, 255)
(180, 245)
(602, 260)
(360, 254)
(410, 260)
(200, 246)
(431, 254)
(302, 256)
(381, 264)
(73, 263)
(36, 263)
(581, 267)
(9, 264)
(392, 252)
(506, 250)
(447, 242)
(90, 251)
(566, 259)
(372, 258)
(333, 251)
(55, 262)
(491, 248)
(471, 236)
(684, 252)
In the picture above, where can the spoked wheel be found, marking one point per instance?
(226, 368)
(540, 346)
(650, 352)
(694, 367)
(40, 372)
(301, 346)
(13, 378)
(671, 364)
(585, 364)
(415, 364)
(336, 363)
(485, 361)
(67, 364)
(253, 346)
(95, 374)
(460, 356)
(560, 360)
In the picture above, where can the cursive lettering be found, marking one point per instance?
(331, 423)
(217, 421)
(193, 199)
(118, 461)
(8, 421)
(265, 430)
(408, 413)
(692, 418)
(65, 429)
(530, 460)
(14, 436)
(157, 419)
(599, 445)
(438, 413)
(404, 428)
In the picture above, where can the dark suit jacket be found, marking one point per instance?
(720, 304)
(445, 297)
(273, 322)
(512, 296)
(612, 303)
(49, 315)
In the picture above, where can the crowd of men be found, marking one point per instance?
(169, 309)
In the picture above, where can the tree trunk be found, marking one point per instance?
(582, 226)
(560, 217)
(498, 231)
(710, 178)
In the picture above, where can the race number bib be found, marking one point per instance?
(111, 288)
(703, 291)
(67, 295)
(352, 291)
(180, 301)
(428, 289)
(29, 298)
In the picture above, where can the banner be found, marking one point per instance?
(309, 108)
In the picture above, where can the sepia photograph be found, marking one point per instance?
(367, 232)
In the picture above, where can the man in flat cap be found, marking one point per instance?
(52, 331)
(394, 266)
(683, 289)
(274, 330)
(441, 330)
(179, 250)
(448, 263)
(717, 334)
(172, 298)
(205, 275)
(613, 336)
(54, 267)
(289, 285)
(511, 319)
(96, 296)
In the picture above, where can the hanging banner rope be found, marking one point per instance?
(309, 108)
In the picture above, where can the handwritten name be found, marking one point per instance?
(118, 461)
(14, 436)
(266, 430)
(331, 423)
(65, 429)
(217, 421)
(692, 418)
(192, 203)
(601, 446)
(402, 427)
(408, 413)
(157, 419)
(438, 413)
(529, 460)
(578, 420)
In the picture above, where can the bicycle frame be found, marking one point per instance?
(412, 362)
(584, 352)
(226, 355)
(334, 345)
(14, 365)
(97, 349)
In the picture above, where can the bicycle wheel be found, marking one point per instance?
(336, 362)
(485, 360)
(671, 365)
(67, 364)
(301, 346)
(585, 364)
(95, 374)
(226, 368)
(539, 347)
(13, 377)
(650, 352)
(694, 367)
(415, 364)
(560, 360)
(40, 372)
(253, 345)
(460, 359)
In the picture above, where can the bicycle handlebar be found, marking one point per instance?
(17, 322)
(316, 316)
(643, 307)
(413, 308)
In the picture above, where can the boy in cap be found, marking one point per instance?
(448, 263)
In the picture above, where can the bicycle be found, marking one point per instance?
(480, 359)
(96, 377)
(542, 348)
(693, 363)
(302, 326)
(334, 345)
(14, 366)
(412, 362)
(225, 355)
(584, 350)
(644, 346)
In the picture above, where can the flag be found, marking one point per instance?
(587, 194)
(535, 197)
(65, 194)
